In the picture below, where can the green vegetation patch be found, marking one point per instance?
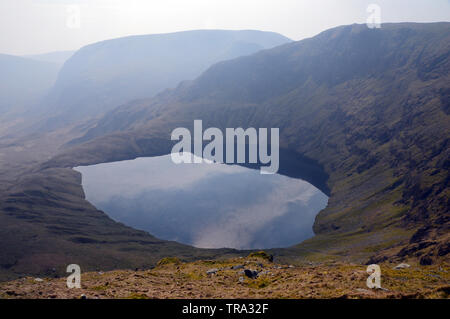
(169, 261)
(261, 254)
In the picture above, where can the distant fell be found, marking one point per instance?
(103, 75)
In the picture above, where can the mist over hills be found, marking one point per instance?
(24, 81)
(59, 57)
(103, 75)
(369, 107)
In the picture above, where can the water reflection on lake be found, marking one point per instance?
(205, 205)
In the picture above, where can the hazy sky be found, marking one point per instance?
(37, 26)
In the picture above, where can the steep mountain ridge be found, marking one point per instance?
(100, 76)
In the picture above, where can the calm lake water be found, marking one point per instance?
(205, 205)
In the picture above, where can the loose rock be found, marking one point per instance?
(402, 266)
(212, 271)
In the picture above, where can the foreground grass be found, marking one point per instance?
(190, 280)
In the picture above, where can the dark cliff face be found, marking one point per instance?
(370, 106)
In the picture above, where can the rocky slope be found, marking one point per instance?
(241, 278)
